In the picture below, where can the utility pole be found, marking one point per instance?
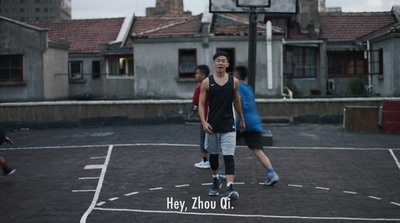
(252, 57)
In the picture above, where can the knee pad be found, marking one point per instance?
(214, 164)
(229, 165)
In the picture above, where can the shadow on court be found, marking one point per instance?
(146, 174)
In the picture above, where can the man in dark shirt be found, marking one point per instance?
(223, 98)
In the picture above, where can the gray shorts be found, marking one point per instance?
(221, 143)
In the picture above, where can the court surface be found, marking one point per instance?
(146, 174)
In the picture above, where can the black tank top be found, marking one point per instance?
(220, 103)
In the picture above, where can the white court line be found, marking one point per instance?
(113, 199)
(193, 145)
(294, 185)
(322, 188)
(375, 198)
(349, 192)
(130, 194)
(156, 188)
(99, 186)
(89, 178)
(395, 158)
(248, 216)
(78, 191)
(100, 203)
(397, 204)
(183, 185)
(93, 167)
(99, 157)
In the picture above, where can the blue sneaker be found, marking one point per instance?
(231, 193)
(214, 190)
(272, 179)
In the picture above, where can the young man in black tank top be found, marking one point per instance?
(223, 98)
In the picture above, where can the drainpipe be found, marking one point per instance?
(290, 93)
(269, 55)
(369, 89)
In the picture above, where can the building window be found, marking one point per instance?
(187, 63)
(300, 62)
(75, 70)
(376, 61)
(351, 63)
(120, 67)
(11, 68)
(95, 69)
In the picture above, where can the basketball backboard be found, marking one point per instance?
(253, 3)
(260, 6)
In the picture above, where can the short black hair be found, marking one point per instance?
(221, 53)
(242, 72)
(203, 69)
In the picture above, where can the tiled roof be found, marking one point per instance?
(84, 35)
(144, 27)
(392, 28)
(223, 24)
(294, 33)
(342, 27)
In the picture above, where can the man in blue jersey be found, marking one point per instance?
(220, 127)
(254, 129)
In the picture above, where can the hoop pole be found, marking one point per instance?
(252, 57)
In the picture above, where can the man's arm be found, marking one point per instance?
(238, 106)
(202, 102)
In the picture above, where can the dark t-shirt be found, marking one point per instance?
(220, 101)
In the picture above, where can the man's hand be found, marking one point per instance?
(242, 126)
(207, 128)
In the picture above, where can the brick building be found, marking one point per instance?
(167, 7)
(36, 10)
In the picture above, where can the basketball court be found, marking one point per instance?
(146, 174)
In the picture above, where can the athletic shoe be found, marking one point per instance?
(231, 193)
(214, 190)
(272, 179)
(8, 171)
(202, 165)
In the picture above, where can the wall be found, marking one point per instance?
(388, 83)
(31, 42)
(75, 113)
(55, 67)
(156, 65)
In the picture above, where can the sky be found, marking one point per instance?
(88, 9)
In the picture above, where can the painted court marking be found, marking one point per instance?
(99, 186)
(95, 205)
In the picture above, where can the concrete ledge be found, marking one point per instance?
(75, 113)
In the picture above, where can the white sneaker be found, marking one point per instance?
(202, 165)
